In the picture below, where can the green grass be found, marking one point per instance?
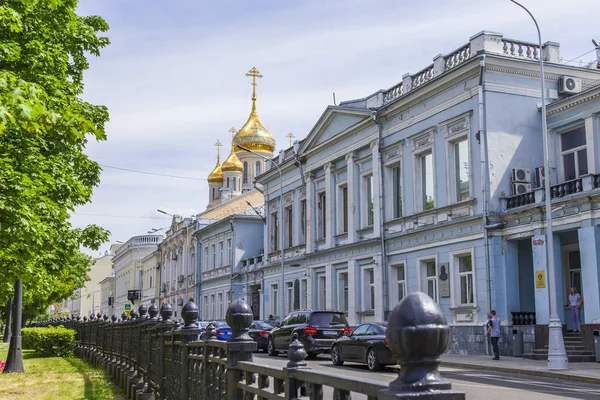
(56, 378)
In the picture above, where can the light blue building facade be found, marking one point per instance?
(431, 186)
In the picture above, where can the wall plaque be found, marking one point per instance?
(444, 280)
(540, 279)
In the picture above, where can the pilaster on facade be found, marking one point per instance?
(310, 213)
(376, 187)
(329, 205)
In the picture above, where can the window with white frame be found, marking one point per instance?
(574, 153)
(212, 307)
(289, 302)
(213, 249)
(206, 258)
(427, 197)
(221, 251)
(274, 300)
(460, 169)
(342, 287)
(220, 305)
(322, 216)
(342, 210)
(228, 255)
(368, 201)
(258, 168)
(228, 298)
(274, 232)
(368, 289)
(303, 221)
(429, 270)
(400, 275)
(397, 191)
(303, 294)
(465, 278)
(321, 291)
(289, 220)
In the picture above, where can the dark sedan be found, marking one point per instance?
(259, 332)
(366, 345)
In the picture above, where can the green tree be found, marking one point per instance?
(44, 128)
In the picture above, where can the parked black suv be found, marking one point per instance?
(317, 330)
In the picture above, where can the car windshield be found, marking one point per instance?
(325, 319)
(262, 325)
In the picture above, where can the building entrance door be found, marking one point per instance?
(571, 277)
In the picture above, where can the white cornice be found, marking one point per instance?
(573, 101)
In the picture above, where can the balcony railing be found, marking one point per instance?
(566, 188)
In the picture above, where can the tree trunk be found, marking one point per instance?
(7, 327)
(14, 361)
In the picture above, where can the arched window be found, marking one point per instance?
(257, 168)
(234, 184)
(213, 191)
(227, 183)
(245, 172)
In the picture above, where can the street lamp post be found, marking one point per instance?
(557, 357)
(280, 234)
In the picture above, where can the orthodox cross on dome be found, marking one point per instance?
(254, 73)
(233, 131)
(218, 145)
(291, 137)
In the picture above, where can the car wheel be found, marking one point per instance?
(372, 361)
(336, 357)
(271, 348)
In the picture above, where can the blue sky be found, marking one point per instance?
(173, 78)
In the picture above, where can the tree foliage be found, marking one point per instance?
(44, 128)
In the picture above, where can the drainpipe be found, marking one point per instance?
(483, 151)
(384, 264)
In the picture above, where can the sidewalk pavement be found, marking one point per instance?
(582, 372)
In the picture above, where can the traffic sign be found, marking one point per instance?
(127, 307)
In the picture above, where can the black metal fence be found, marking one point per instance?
(155, 357)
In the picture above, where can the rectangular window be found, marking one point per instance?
(213, 315)
(206, 265)
(427, 192)
(275, 231)
(461, 170)
(213, 249)
(344, 210)
(574, 153)
(322, 294)
(205, 315)
(220, 306)
(274, 300)
(303, 294)
(369, 289)
(290, 227)
(290, 297)
(322, 215)
(397, 191)
(400, 282)
(368, 202)
(465, 273)
(343, 292)
(432, 283)
(228, 298)
(303, 221)
(221, 251)
(228, 251)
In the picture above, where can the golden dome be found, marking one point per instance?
(232, 164)
(216, 176)
(253, 135)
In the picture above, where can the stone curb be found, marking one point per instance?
(521, 371)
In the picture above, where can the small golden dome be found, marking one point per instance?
(232, 164)
(216, 176)
(253, 135)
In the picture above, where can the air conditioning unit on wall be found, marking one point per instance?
(540, 177)
(520, 188)
(569, 85)
(521, 175)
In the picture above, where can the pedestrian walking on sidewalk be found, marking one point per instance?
(493, 330)
(575, 303)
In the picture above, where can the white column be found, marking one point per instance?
(352, 297)
(540, 264)
(309, 288)
(376, 189)
(352, 188)
(378, 277)
(310, 216)
(589, 248)
(329, 198)
(591, 145)
(329, 287)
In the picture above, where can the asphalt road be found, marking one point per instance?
(477, 384)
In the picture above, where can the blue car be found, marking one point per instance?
(223, 330)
